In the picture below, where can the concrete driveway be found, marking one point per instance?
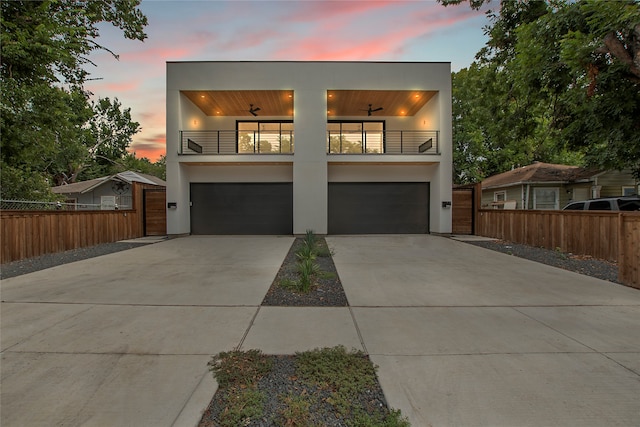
(463, 336)
(124, 339)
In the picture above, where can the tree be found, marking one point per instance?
(44, 108)
(143, 165)
(568, 85)
(110, 131)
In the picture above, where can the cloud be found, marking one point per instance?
(248, 39)
(153, 140)
(123, 86)
(378, 36)
(155, 54)
(313, 11)
(151, 147)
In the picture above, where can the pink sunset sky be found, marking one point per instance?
(300, 30)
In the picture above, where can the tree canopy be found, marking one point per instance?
(558, 81)
(50, 129)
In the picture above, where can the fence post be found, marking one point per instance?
(477, 204)
(621, 242)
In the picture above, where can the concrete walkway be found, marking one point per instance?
(463, 336)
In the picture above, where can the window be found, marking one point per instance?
(546, 198)
(265, 136)
(499, 196)
(600, 205)
(629, 190)
(355, 137)
(575, 206)
(629, 205)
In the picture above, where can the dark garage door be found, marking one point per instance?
(378, 208)
(242, 208)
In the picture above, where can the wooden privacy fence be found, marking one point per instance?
(612, 236)
(26, 234)
(629, 253)
(32, 233)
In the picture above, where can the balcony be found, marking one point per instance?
(383, 142)
(235, 142)
(213, 142)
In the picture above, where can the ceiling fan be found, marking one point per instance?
(372, 110)
(253, 110)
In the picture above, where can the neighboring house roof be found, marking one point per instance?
(127, 176)
(540, 173)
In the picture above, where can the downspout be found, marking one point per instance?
(526, 201)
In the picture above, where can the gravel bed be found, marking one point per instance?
(328, 291)
(283, 380)
(30, 265)
(577, 263)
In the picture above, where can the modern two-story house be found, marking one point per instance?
(286, 147)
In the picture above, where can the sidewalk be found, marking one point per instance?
(462, 335)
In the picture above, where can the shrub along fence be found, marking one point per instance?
(26, 234)
(612, 236)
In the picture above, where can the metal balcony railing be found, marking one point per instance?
(235, 142)
(383, 142)
(274, 142)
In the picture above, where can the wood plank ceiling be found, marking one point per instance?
(237, 102)
(279, 103)
(394, 102)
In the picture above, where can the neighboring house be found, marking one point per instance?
(109, 192)
(286, 147)
(549, 186)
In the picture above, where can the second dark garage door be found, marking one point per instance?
(378, 207)
(242, 208)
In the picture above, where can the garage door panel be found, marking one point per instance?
(378, 208)
(242, 208)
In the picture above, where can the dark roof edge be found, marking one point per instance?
(308, 62)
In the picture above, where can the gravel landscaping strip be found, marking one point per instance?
(283, 384)
(577, 263)
(30, 265)
(328, 291)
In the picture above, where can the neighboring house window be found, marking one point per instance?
(499, 196)
(629, 191)
(546, 198)
(581, 193)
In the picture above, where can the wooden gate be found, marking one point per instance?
(462, 211)
(155, 213)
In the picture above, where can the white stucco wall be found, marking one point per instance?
(310, 170)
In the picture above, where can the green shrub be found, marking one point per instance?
(297, 411)
(306, 252)
(288, 284)
(308, 270)
(243, 406)
(345, 374)
(393, 418)
(239, 368)
(310, 239)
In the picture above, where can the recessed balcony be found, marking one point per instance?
(213, 142)
(207, 142)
